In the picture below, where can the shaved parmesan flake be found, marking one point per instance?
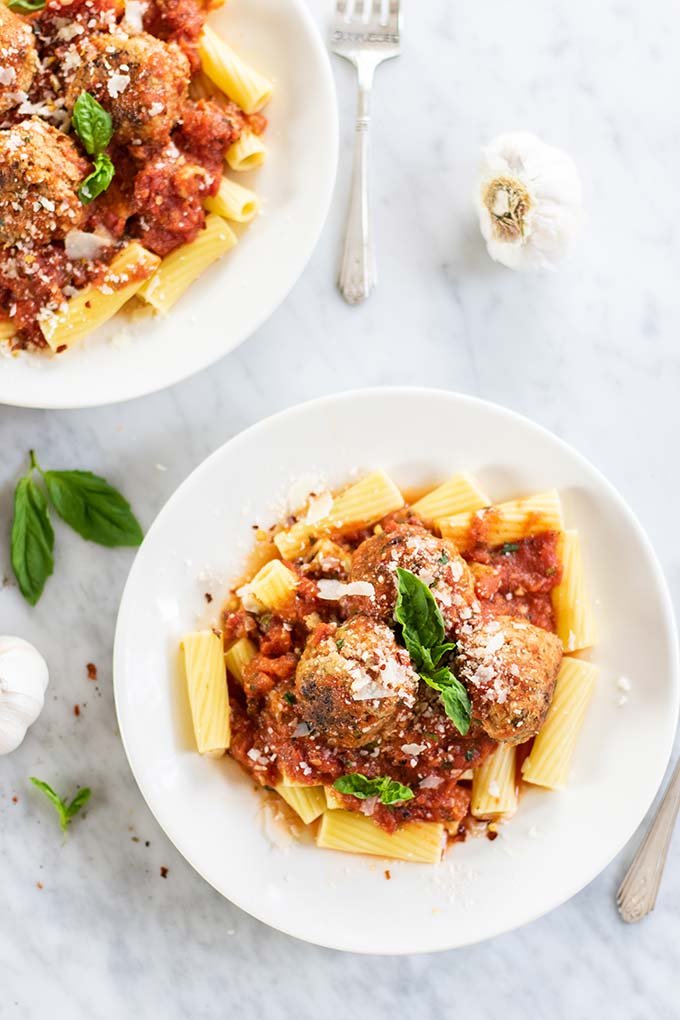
(134, 15)
(81, 245)
(331, 591)
(116, 84)
(7, 75)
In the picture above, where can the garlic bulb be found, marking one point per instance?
(529, 201)
(23, 681)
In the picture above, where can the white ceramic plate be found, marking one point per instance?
(234, 297)
(557, 842)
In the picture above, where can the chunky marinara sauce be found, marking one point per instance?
(428, 754)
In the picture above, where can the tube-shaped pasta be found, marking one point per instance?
(96, 304)
(333, 802)
(233, 75)
(364, 503)
(239, 655)
(273, 585)
(180, 268)
(7, 329)
(506, 522)
(356, 834)
(494, 785)
(247, 152)
(574, 617)
(307, 801)
(234, 202)
(458, 495)
(550, 758)
(207, 689)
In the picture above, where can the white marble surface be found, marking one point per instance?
(591, 352)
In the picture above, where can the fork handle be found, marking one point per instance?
(637, 894)
(357, 270)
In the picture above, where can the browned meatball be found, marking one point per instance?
(509, 668)
(354, 683)
(435, 561)
(40, 171)
(140, 81)
(18, 57)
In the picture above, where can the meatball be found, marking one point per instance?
(435, 561)
(140, 81)
(40, 171)
(509, 668)
(18, 57)
(355, 683)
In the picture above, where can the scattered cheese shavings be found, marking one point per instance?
(319, 507)
(117, 84)
(331, 590)
(134, 15)
(81, 245)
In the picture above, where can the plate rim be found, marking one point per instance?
(179, 375)
(347, 396)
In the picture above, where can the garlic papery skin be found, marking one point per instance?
(23, 681)
(530, 201)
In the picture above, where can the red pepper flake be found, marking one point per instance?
(208, 597)
(61, 348)
(15, 799)
(91, 671)
(76, 709)
(39, 885)
(388, 876)
(164, 872)
(491, 834)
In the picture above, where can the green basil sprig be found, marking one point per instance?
(422, 633)
(26, 5)
(98, 180)
(94, 128)
(86, 502)
(64, 810)
(389, 791)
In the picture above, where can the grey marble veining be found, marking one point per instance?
(592, 352)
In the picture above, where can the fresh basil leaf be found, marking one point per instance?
(54, 799)
(422, 632)
(93, 508)
(91, 123)
(389, 791)
(99, 180)
(357, 785)
(78, 802)
(32, 539)
(456, 704)
(26, 5)
(393, 792)
(417, 612)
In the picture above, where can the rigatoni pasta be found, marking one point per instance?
(574, 617)
(96, 304)
(237, 79)
(234, 202)
(550, 757)
(388, 688)
(458, 495)
(207, 689)
(248, 152)
(183, 266)
(506, 522)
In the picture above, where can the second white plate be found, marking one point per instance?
(234, 297)
(557, 842)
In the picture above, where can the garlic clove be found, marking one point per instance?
(23, 681)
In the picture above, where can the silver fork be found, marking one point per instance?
(365, 32)
(638, 891)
